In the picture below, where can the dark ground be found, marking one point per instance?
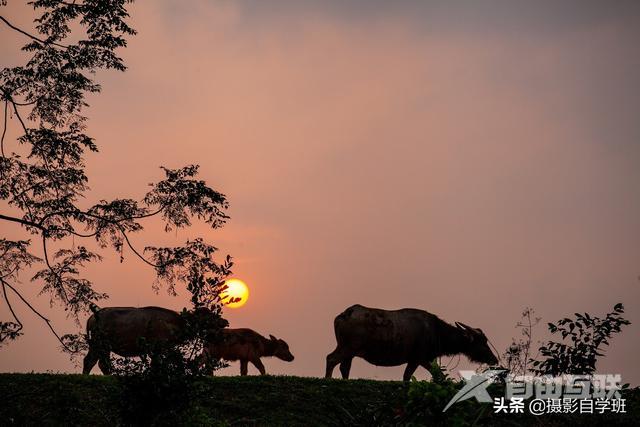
(55, 399)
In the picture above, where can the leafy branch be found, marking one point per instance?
(42, 176)
(587, 336)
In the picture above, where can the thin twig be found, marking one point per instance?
(26, 133)
(4, 128)
(75, 233)
(6, 298)
(13, 27)
(15, 109)
(11, 272)
(126, 238)
(13, 185)
(117, 224)
(47, 321)
(65, 298)
(113, 221)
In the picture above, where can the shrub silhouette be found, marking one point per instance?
(587, 335)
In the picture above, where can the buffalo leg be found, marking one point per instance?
(345, 367)
(201, 361)
(104, 363)
(332, 361)
(205, 363)
(244, 367)
(258, 364)
(409, 370)
(90, 361)
(427, 366)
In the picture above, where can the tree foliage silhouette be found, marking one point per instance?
(588, 335)
(43, 187)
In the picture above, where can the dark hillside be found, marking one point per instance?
(49, 399)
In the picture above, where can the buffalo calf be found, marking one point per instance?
(247, 346)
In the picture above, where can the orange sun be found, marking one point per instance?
(236, 288)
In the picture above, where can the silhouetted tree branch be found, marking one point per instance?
(583, 338)
(2, 18)
(42, 183)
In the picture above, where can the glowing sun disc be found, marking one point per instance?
(236, 289)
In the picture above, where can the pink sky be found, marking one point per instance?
(463, 160)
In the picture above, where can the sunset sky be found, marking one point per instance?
(465, 158)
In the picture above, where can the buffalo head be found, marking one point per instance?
(478, 349)
(281, 349)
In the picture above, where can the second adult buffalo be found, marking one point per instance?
(395, 337)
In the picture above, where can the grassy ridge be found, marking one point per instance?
(49, 399)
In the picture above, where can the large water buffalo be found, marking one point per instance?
(129, 331)
(395, 337)
(247, 345)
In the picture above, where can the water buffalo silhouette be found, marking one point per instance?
(246, 345)
(131, 331)
(395, 337)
